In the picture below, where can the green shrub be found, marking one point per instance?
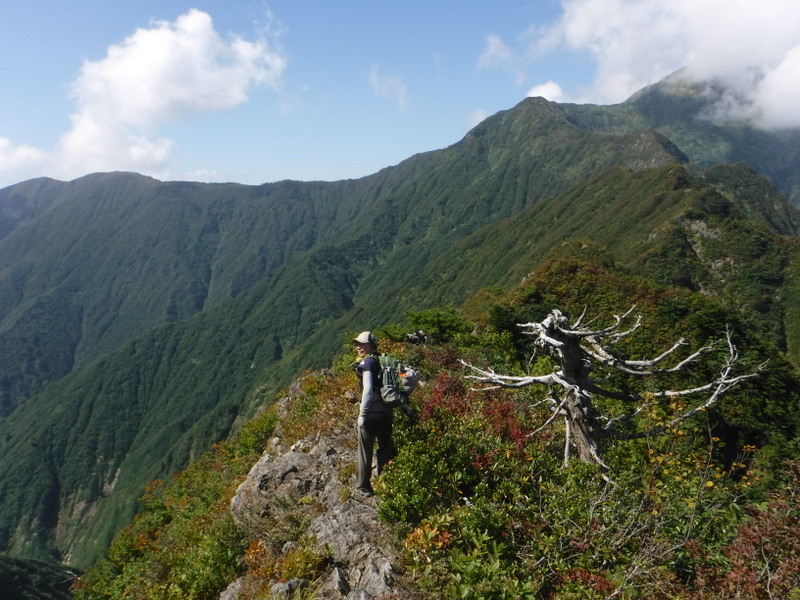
(489, 511)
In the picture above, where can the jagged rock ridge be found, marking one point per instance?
(312, 481)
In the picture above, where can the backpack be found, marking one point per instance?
(398, 380)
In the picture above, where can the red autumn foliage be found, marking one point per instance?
(504, 418)
(448, 398)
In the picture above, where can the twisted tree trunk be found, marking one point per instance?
(577, 406)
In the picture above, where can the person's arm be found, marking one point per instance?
(367, 382)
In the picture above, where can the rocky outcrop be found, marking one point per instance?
(305, 493)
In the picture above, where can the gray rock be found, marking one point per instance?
(314, 478)
(286, 590)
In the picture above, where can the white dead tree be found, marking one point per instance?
(577, 348)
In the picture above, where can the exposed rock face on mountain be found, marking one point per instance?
(311, 483)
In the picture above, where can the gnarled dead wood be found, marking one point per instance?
(577, 348)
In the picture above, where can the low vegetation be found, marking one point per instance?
(478, 496)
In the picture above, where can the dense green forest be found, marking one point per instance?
(143, 321)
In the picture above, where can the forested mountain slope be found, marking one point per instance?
(24, 579)
(113, 255)
(140, 320)
(668, 225)
(118, 254)
(171, 392)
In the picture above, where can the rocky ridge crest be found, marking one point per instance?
(302, 493)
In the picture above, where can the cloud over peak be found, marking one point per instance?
(752, 46)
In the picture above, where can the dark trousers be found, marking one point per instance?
(377, 426)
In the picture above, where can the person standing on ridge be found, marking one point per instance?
(374, 417)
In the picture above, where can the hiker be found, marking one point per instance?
(374, 417)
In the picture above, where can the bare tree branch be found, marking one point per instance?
(579, 321)
(556, 413)
(575, 348)
(556, 321)
(509, 381)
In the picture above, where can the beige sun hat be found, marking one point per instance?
(366, 337)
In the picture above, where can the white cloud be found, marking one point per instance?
(165, 73)
(496, 53)
(476, 117)
(97, 144)
(171, 70)
(777, 95)
(753, 45)
(391, 87)
(21, 160)
(633, 42)
(549, 90)
(204, 175)
(499, 55)
(158, 75)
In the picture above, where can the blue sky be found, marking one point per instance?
(252, 91)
